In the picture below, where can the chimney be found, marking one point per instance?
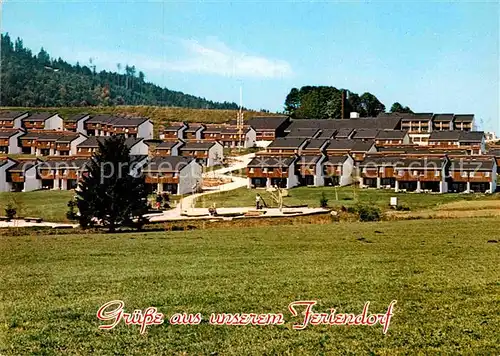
(354, 115)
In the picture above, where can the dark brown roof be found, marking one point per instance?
(271, 161)
(365, 134)
(471, 163)
(390, 122)
(288, 143)
(327, 133)
(77, 117)
(39, 116)
(471, 136)
(316, 144)
(267, 122)
(344, 133)
(46, 135)
(391, 134)
(341, 144)
(7, 133)
(444, 135)
(442, 118)
(304, 132)
(362, 146)
(197, 146)
(93, 141)
(464, 118)
(166, 145)
(167, 164)
(23, 165)
(128, 121)
(11, 115)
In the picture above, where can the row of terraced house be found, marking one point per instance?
(404, 152)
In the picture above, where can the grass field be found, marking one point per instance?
(51, 205)
(444, 275)
(346, 197)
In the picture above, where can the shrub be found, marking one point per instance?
(323, 200)
(368, 212)
(71, 213)
(402, 207)
(10, 211)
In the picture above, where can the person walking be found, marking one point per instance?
(257, 202)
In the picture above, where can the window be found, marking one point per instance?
(400, 172)
(437, 174)
(415, 173)
(251, 170)
(464, 174)
(471, 174)
(487, 174)
(264, 170)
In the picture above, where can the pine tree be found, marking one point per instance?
(109, 194)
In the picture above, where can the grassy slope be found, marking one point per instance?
(158, 114)
(311, 197)
(444, 275)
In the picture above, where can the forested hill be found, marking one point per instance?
(31, 80)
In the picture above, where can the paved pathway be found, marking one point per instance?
(187, 203)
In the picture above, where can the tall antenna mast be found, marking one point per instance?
(239, 121)
(342, 94)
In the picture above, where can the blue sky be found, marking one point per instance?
(432, 56)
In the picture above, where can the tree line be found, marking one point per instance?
(327, 102)
(41, 81)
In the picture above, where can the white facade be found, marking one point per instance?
(75, 143)
(54, 123)
(145, 130)
(347, 169)
(292, 180)
(140, 148)
(4, 186)
(215, 154)
(250, 138)
(31, 181)
(319, 179)
(80, 125)
(14, 146)
(189, 178)
(18, 121)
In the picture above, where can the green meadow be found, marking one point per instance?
(444, 274)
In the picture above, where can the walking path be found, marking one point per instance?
(185, 210)
(187, 203)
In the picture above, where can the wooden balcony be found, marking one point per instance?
(270, 173)
(15, 177)
(34, 125)
(161, 179)
(479, 177)
(195, 154)
(28, 143)
(420, 176)
(7, 124)
(45, 144)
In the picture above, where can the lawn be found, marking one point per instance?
(51, 205)
(444, 275)
(346, 197)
